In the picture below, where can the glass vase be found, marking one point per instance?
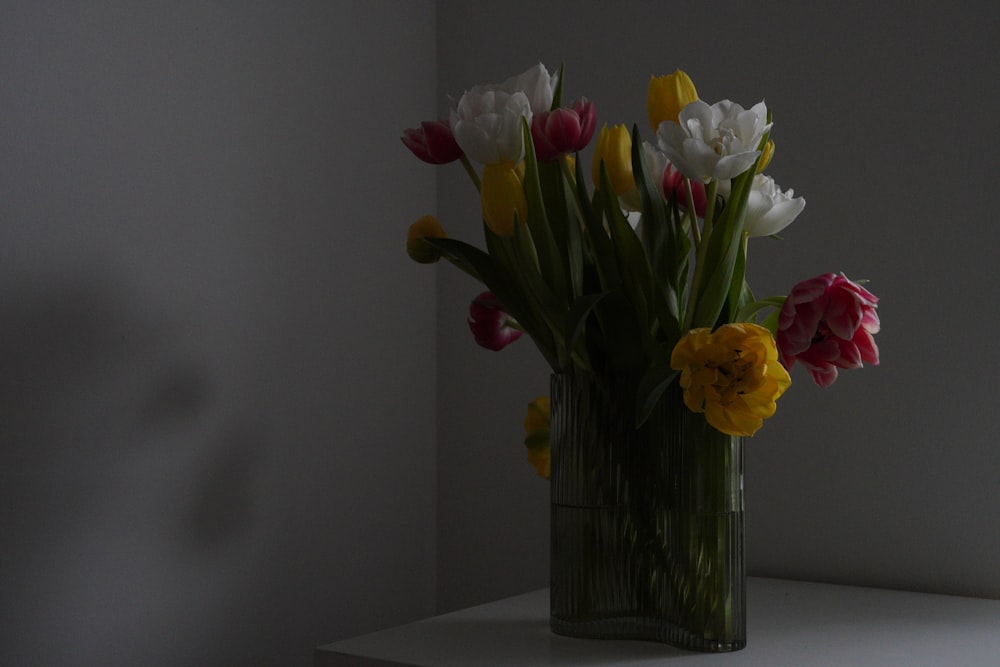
(647, 523)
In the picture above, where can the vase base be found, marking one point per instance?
(631, 627)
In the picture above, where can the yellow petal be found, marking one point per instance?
(542, 460)
(418, 249)
(614, 148)
(765, 158)
(502, 197)
(732, 375)
(667, 95)
(537, 418)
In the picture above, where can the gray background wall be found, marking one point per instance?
(884, 121)
(233, 424)
(216, 361)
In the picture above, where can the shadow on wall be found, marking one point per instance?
(128, 476)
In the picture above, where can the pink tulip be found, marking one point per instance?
(673, 186)
(490, 324)
(433, 142)
(827, 323)
(563, 130)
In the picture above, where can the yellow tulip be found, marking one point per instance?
(667, 95)
(732, 375)
(614, 147)
(536, 429)
(502, 197)
(416, 247)
(765, 157)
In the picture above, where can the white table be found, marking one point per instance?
(790, 623)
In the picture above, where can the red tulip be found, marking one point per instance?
(490, 324)
(673, 186)
(563, 130)
(827, 323)
(433, 142)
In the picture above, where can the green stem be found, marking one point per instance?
(700, 251)
(691, 211)
(571, 183)
(471, 171)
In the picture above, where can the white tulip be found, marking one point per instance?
(769, 210)
(717, 142)
(486, 120)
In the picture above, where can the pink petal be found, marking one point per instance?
(866, 347)
(849, 356)
(588, 121)
(797, 326)
(488, 323)
(824, 377)
(861, 292)
(811, 289)
(870, 321)
(843, 313)
(822, 352)
(823, 373)
(544, 150)
(563, 129)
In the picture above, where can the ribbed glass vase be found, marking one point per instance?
(647, 524)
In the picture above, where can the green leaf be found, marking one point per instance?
(605, 259)
(564, 221)
(651, 387)
(750, 309)
(574, 246)
(655, 216)
(468, 258)
(771, 321)
(549, 260)
(515, 294)
(721, 256)
(583, 199)
(666, 252)
(557, 93)
(576, 319)
(739, 291)
(636, 277)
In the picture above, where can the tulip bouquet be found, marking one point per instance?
(645, 272)
(631, 281)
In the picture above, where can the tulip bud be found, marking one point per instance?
(673, 186)
(537, 432)
(491, 325)
(416, 247)
(433, 142)
(502, 197)
(563, 130)
(667, 95)
(765, 158)
(614, 148)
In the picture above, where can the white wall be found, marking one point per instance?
(216, 361)
(219, 370)
(884, 122)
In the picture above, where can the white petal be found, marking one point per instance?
(769, 210)
(476, 142)
(731, 166)
(487, 124)
(537, 85)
